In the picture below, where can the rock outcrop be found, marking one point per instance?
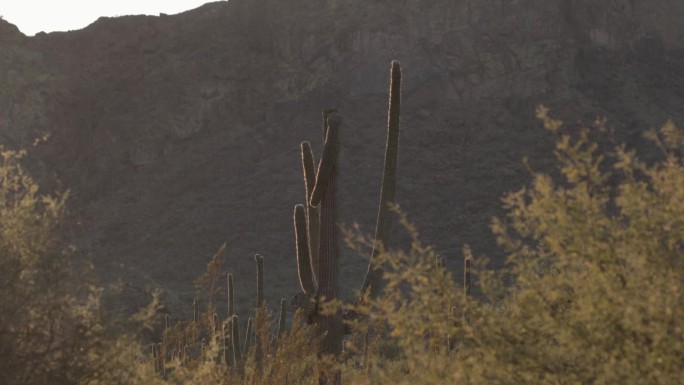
(178, 133)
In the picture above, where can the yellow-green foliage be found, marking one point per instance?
(597, 262)
(292, 362)
(592, 293)
(51, 327)
(595, 281)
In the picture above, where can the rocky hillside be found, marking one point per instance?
(178, 133)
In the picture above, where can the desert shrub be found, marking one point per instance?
(592, 293)
(51, 325)
(291, 361)
(201, 350)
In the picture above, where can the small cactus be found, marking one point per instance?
(249, 334)
(154, 358)
(260, 280)
(281, 319)
(231, 311)
(237, 358)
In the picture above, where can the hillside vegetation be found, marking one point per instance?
(592, 293)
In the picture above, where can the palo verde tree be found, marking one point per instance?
(52, 329)
(594, 290)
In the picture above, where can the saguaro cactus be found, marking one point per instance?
(318, 273)
(324, 194)
(321, 284)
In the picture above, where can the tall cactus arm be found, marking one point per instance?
(304, 269)
(309, 168)
(373, 280)
(329, 157)
(313, 224)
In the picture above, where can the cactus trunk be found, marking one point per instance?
(329, 325)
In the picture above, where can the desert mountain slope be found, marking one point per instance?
(178, 133)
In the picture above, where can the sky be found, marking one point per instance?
(33, 16)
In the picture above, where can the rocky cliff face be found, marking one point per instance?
(178, 133)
